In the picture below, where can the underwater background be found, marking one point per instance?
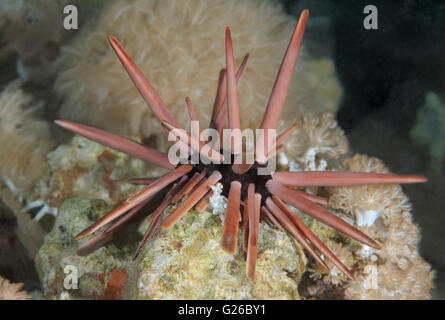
(384, 87)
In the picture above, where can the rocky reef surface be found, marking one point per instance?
(101, 275)
(184, 263)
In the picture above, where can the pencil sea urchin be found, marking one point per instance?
(261, 196)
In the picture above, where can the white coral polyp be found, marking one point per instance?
(366, 218)
(364, 252)
(218, 203)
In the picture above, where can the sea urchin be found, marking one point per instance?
(262, 196)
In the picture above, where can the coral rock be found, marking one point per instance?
(187, 262)
(101, 275)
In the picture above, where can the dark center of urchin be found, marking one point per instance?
(228, 175)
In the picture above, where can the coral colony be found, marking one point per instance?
(254, 192)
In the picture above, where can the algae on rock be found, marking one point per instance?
(85, 169)
(101, 275)
(187, 262)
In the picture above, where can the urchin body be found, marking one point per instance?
(228, 175)
(251, 196)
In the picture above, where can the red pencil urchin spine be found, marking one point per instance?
(251, 197)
